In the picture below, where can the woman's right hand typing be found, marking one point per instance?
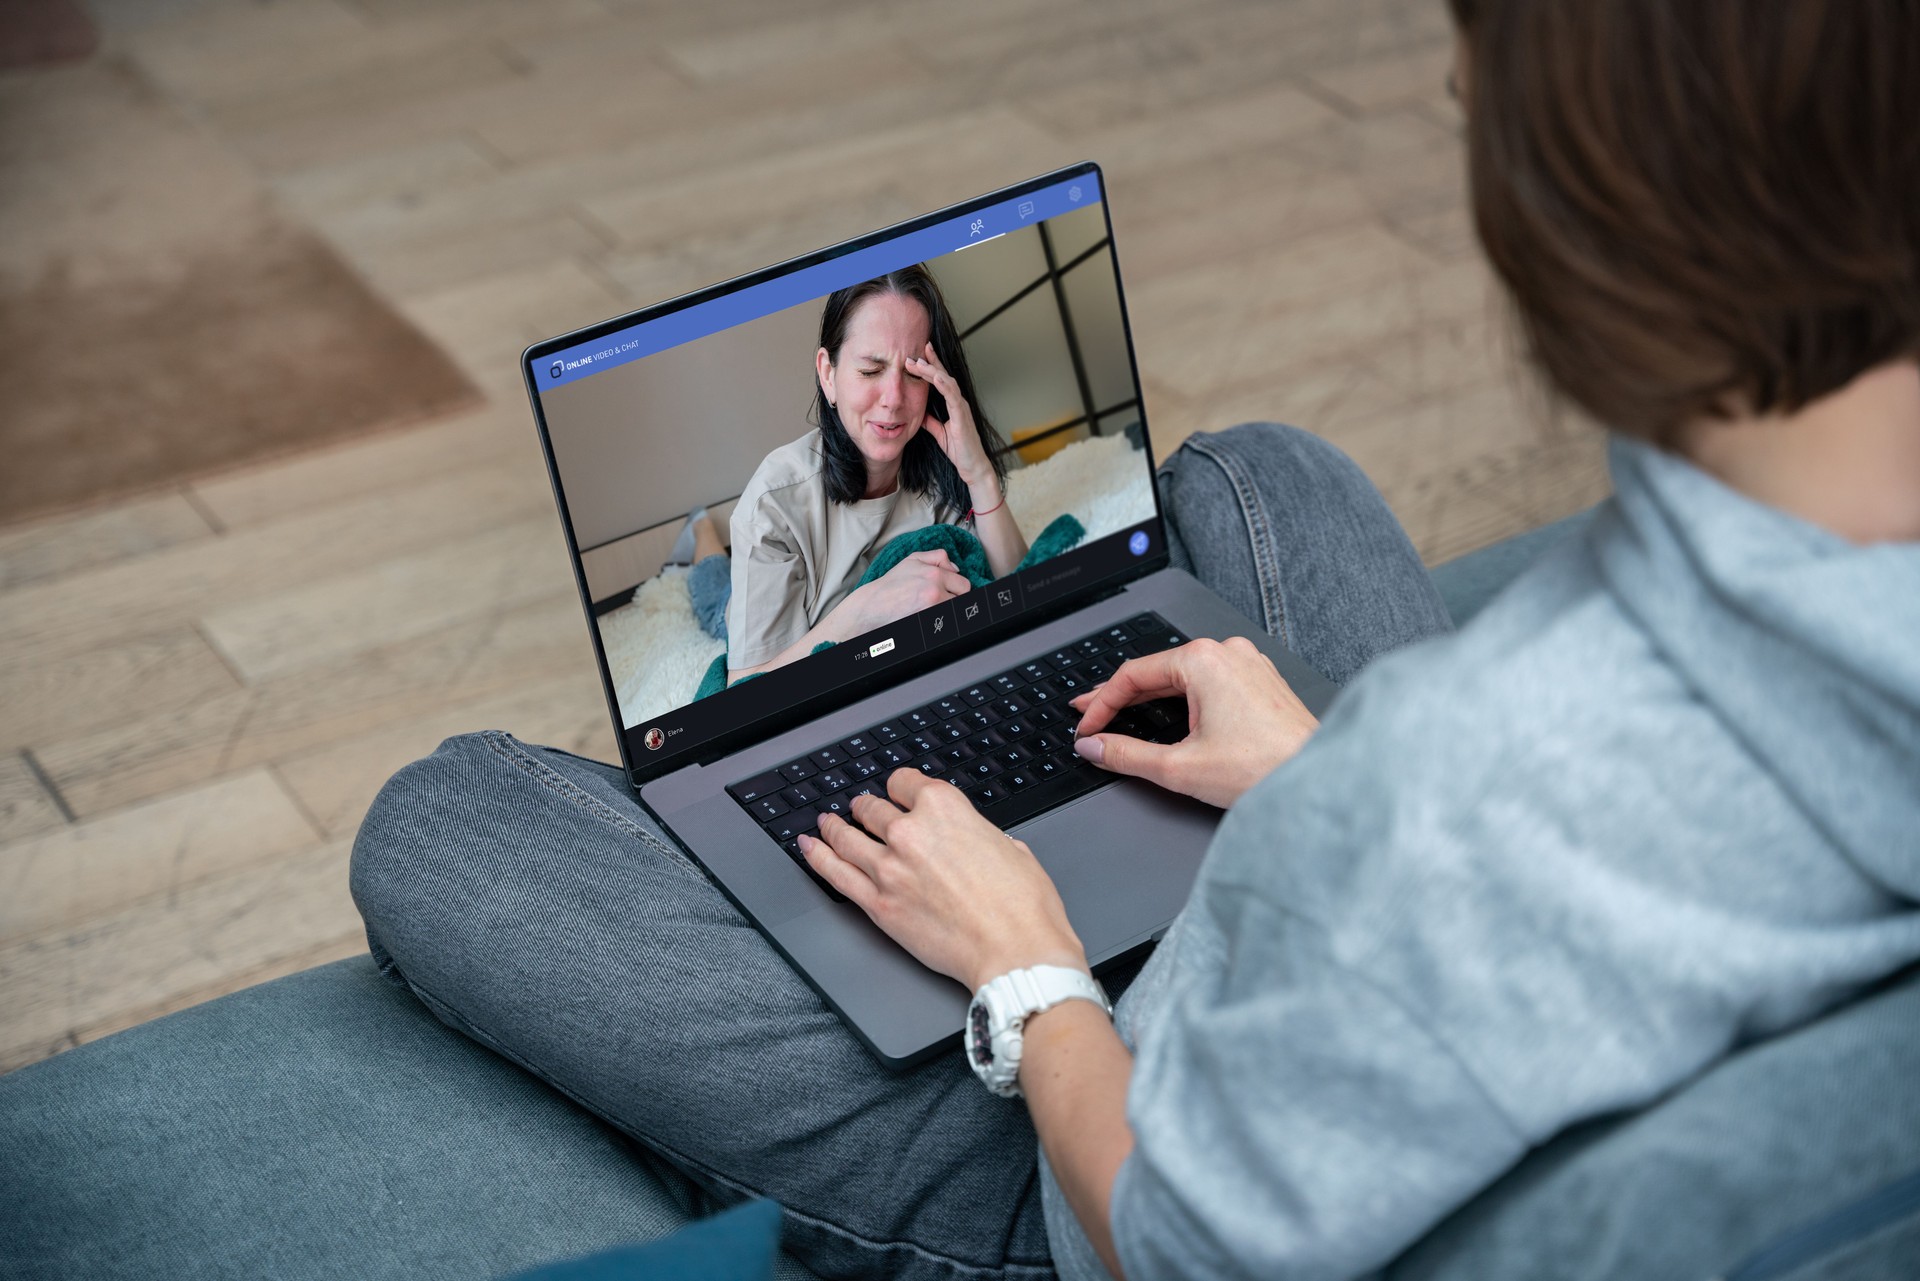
(1243, 719)
(918, 581)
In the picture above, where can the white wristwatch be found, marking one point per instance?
(1001, 1009)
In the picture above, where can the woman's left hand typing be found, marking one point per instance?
(962, 896)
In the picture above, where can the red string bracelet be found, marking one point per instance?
(974, 515)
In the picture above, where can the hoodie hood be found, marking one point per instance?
(1807, 646)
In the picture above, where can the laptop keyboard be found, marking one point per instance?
(1007, 742)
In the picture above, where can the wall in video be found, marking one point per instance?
(745, 498)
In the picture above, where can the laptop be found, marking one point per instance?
(703, 402)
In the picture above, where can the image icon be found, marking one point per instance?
(555, 369)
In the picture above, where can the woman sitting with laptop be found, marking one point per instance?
(901, 445)
(1655, 803)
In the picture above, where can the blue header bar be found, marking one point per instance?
(809, 283)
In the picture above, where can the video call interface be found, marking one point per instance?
(803, 483)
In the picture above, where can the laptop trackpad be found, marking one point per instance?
(1124, 859)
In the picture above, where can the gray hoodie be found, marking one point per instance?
(1659, 800)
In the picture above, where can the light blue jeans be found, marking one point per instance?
(530, 903)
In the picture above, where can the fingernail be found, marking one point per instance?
(1090, 748)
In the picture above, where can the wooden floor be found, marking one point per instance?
(203, 689)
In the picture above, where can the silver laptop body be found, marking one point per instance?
(1123, 855)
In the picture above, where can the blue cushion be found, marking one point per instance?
(324, 1125)
(737, 1245)
(1468, 583)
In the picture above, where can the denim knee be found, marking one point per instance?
(404, 825)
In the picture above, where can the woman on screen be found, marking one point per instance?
(900, 445)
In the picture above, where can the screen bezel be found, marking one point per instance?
(640, 767)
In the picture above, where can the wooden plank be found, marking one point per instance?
(1398, 79)
(59, 880)
(939, 161)
(1245, 342)
(151, 755)
(487, 323)
(26, 807)
(404, 175)
(500, 432)
(336, 784)
(222, 932)
(393, 600)
(51, 621)
(161, 672)
(46, 549)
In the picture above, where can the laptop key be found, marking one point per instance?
(859, 745)
(801, 793)
(921, 744)
(1007, 682)
(1050, 767)
(757, 786)
(1036, 670)
(893, 755)
(840, 803)
(986, 740)
(980, 717)
(987, 794)
(1117, 636)
(947, 708)
(931, 766)
(1018, 779)
(789, 826)
(794, 771)
(863, 767)
(1044, 716)
(1014, 729)
(768, 808)
(1145, 624)
(1090, 646)
(919, 718)
(983, 767)
(1042, 692)
(886, 732)
(1049, 741)
(1011, 756)
(1011, 705)
(828, 757)
(977, 695)
(958, 754)
(833, 780)
(1096, 670)
(952, 731)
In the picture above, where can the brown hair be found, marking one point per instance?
(1700, 207)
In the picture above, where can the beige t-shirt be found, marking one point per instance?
(796, 554)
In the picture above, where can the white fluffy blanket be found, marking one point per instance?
(658, 653)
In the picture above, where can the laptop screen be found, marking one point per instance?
(787, 490)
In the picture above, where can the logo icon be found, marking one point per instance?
(654, 738)
(1073, 193)
(1138, 543)
(556, 369)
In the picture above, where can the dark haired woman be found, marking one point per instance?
(1655, 804)
(899, 446)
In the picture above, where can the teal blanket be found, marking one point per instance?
(960, 545)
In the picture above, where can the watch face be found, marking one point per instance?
(980, 1034)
